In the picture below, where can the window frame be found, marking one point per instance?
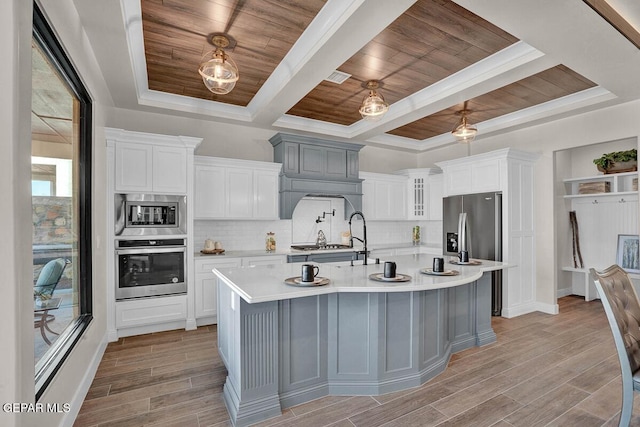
(47, 367)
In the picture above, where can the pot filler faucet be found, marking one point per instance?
(364, 235)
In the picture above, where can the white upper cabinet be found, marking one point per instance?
(169, 167)
(235, 189)
(473, 176)
(265, 194)
(239, 193)
(134, 172)
(424, 193)
(436, 192)
(150, 163)
(384, 196)
(209, 191)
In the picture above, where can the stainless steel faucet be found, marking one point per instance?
(364, 235)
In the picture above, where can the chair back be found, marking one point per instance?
(622, 307)
(50, 276)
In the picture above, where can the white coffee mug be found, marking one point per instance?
(209, 244)
(218, 245)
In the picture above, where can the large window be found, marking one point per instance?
(61, 203)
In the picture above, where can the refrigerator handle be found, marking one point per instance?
(462, 232)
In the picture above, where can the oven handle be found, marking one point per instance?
(147, 250)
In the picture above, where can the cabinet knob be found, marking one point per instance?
(595, 202)
(622, 201)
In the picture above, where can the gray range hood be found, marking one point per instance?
(316, 167)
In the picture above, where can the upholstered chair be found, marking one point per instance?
(49, 277)
(622, 307)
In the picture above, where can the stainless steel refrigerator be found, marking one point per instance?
(473, 222)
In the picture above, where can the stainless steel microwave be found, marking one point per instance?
(149, 215)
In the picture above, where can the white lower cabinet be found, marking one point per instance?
(206, 283)
(150, 311)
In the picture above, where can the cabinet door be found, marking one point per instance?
(398, 200)
(291, 158)
(390, 200)
(169, 170)
(239, 193)
(418, 201)
(458, 180)
(265, 185)
(206, 296)
(133, 168)
(485, 176)
(312, 160)
(368, 199)
(209, 195)
(436, 191)
(353, 165)
(206, 284)
(335, 163)
(381, 196)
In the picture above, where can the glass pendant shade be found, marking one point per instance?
(219, 72)
(463, 131)
(373, 106)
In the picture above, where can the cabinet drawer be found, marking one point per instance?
(150, 311)
(206, 265)
(264, 260)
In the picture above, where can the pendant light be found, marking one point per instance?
(463, 131)
(219, 72)
(373, 106)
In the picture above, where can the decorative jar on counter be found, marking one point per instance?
(270, 242)
(416, 235)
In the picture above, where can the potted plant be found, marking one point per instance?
(618, 161)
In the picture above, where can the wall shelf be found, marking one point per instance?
(620, 184)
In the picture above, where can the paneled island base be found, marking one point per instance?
(286, 352)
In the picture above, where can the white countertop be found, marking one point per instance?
(266, 283)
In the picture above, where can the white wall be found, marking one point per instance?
(608, 124)
(16, 357)
(582, 158)
(17, 333)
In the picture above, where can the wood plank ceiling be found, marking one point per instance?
(432, 40)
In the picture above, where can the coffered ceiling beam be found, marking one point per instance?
(340, 30)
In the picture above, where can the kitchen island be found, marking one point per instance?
(285, 345)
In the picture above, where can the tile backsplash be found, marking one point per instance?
(237, 235)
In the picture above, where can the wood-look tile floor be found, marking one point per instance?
(550, 370)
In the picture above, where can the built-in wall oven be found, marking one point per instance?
(147, 268)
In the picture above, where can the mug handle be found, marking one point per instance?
(316, 270)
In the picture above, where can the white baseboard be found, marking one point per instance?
(547, 308)
(78, 398)
(563, 292)
(191, 325)
(518, 310)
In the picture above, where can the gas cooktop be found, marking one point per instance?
(320, 248)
